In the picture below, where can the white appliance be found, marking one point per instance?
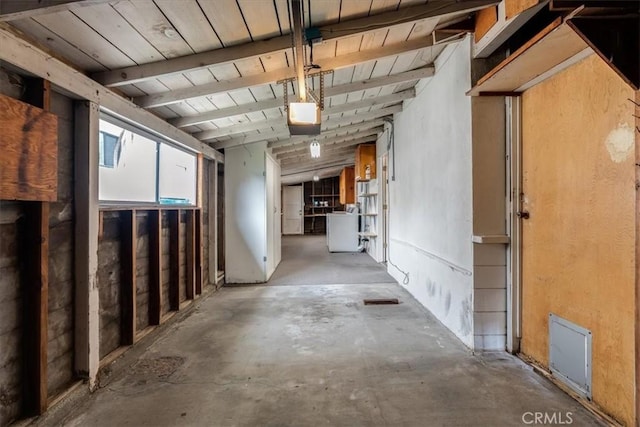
(342, 232)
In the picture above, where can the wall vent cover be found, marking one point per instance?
(570, 354)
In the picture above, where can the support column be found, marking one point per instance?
(87, 332)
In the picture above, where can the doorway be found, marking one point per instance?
(292, 202)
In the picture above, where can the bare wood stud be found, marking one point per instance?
(36, 283)
(128, 284)
(155, 267)
(174, 259)
(198, 251)
(190, 253)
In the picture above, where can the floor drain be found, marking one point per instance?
(381, 301)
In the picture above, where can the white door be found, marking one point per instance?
(292, 209)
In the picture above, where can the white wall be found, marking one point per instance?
(245, 213)
(431, 197)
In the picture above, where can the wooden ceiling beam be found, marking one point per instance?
(328, 148)
(299, 177)
(340, 139)
(267, 136)
(24, 55)
(13, 10)
(317, 164)
(341, 108)
(324, 152)
(329, 92)
(343, 153)
(281, 122)
(343, 130)
(269, 77)
(336, 31)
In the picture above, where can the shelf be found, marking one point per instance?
(367, 234)
(314, 215)
(367, 194)
(324, 195)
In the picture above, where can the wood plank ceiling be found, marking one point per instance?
(211, 67)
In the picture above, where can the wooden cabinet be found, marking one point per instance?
(347, 186)
(365, 156)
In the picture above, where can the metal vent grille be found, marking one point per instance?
(570, 354)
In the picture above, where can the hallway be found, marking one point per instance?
(315, 355)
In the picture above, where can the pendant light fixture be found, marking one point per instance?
(314, 147)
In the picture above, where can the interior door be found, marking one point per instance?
(292, 209)
(270, 215)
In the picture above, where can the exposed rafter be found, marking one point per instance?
(330, 91)
(275, 45)
(317, 164)
(12, 10)
(341, 108)
(326, 125)
(24, 55)
(325, 150)
(337, 62)
(269, 136)
(289, 178)
(337, 140)
(342, 152)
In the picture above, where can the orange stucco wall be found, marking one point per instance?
(579, 244)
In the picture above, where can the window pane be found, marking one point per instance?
(127, 165)
(177, 176)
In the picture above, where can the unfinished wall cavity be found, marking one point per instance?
(430, 200)
(60, 334)
(578, 244)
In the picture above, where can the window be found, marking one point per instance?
(138, 167)
(109, 149)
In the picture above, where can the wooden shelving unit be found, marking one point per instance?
(320, 198)
(368, 201)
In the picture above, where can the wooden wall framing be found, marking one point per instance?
(36, 281)
(193, 282)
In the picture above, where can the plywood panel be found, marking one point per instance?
(485, 20)
(578, 245)
(29, 147)
(515, 7)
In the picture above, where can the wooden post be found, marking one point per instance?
(87, 224)
(36, 281)
(155, 266)
(128, 283)
(173, 217)
(190, 253)
(198, 251)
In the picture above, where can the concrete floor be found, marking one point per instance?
(314, 355)
(306, 261)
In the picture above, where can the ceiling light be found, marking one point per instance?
(316, 178)
(314, 147)
(170, 33)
